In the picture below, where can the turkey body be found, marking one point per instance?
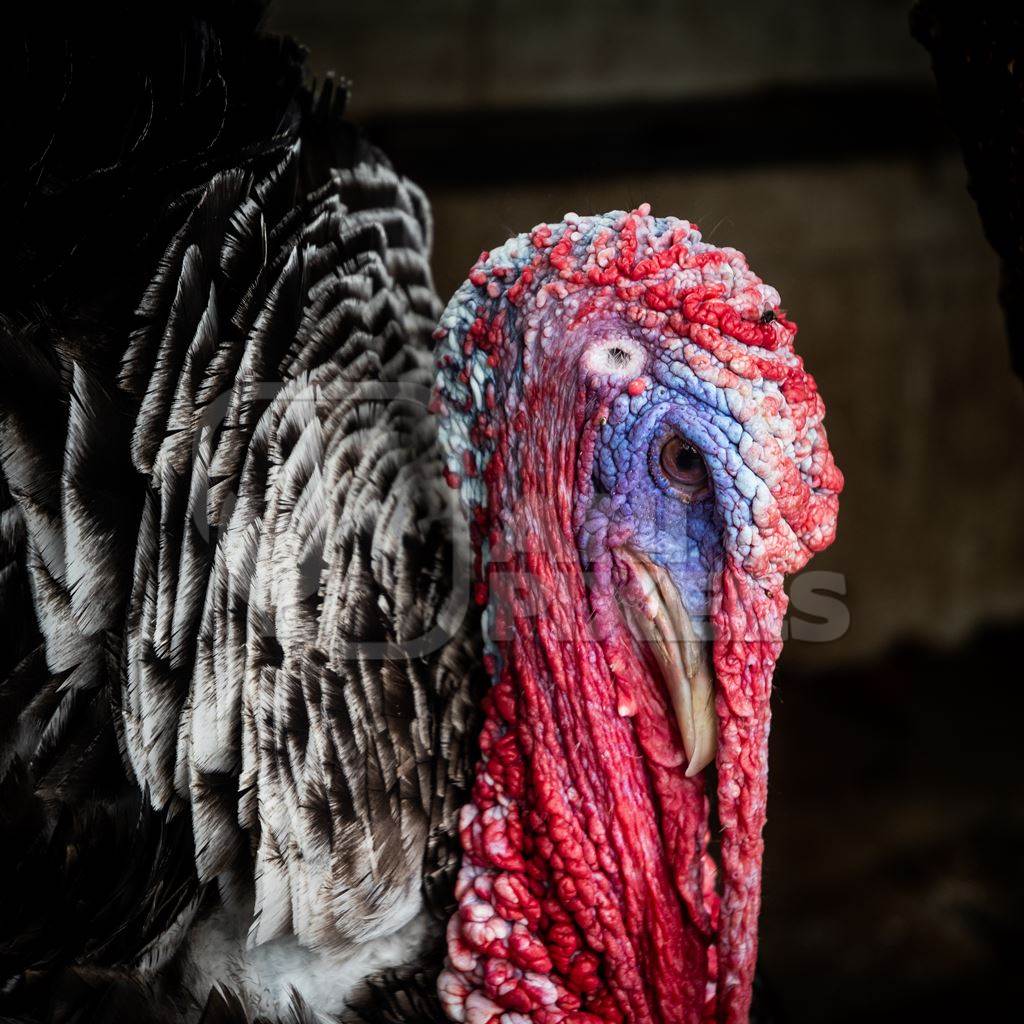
(242, 654)
(238, 675)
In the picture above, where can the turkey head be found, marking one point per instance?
(641, 457)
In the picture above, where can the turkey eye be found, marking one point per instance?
(684, 467)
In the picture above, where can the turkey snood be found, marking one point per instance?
(641, 456)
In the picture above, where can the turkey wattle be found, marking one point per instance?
(237, 488)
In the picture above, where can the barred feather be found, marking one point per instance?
(227, 563)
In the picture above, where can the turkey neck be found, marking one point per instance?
(586, 892)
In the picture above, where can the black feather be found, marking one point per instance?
(219, 490)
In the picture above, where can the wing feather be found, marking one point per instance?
(227, 557)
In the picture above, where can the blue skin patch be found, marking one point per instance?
(636, 499)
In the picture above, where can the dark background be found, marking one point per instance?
(809, 135)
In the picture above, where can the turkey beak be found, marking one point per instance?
(660, 619)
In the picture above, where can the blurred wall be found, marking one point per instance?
(451, 54)
(878, 256)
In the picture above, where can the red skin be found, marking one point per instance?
(743, 613)
(607, 879)
(605, 874)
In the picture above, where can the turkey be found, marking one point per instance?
(366, 659)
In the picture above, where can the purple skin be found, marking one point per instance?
(630, 495)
